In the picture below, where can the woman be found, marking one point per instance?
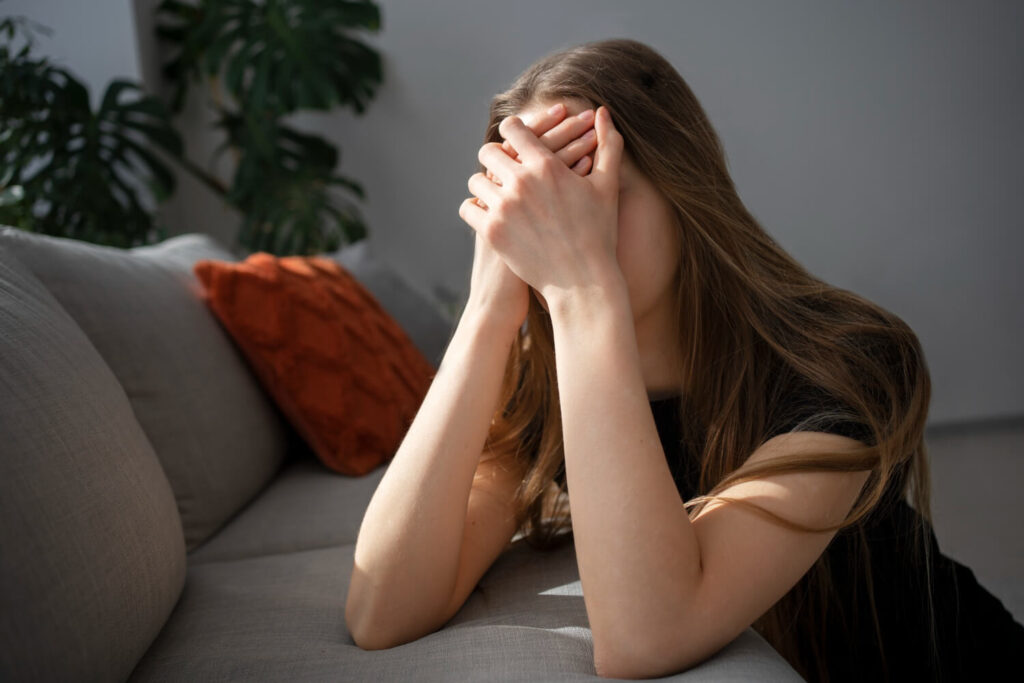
(738, 435)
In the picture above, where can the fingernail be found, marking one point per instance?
(590, 134)
(586, 114)
(555, 108)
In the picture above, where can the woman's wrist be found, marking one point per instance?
(607, 294)
(489, 319)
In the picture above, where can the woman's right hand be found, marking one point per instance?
(495, 291)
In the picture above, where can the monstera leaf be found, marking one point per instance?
(283, 179)
(263, 60)
(281, 55)
(70, 171)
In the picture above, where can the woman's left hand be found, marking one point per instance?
(556, 230)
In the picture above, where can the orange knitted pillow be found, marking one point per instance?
(340, 368)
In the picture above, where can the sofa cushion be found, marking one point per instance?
(281, 617)
(218, 435)
(421, 317)
(307, 506)
(343, 371)
(92, 556)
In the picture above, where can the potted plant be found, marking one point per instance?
(261, 61)
(71, 171)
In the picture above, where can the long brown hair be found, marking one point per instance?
(754, 326)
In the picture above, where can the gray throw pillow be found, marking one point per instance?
(219, 436)
(423, 320)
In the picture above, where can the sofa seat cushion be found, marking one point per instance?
(218, 435)
(92, 556)
(308, 506)
(281, 617)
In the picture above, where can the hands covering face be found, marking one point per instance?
(553, 224)
(570, 138)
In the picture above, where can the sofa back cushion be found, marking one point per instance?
(429, 327)
(217, 434)
(92, 556)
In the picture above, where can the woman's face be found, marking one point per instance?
(648, 239)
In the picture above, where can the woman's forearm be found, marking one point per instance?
(407, 551)
(638, 556)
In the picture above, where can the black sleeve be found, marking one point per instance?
(814, 402)
(854, 430)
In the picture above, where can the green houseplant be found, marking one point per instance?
(262, 60)
(70, 171)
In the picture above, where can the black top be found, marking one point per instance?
(976, 636)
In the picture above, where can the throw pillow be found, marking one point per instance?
(341, 369)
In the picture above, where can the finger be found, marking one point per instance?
(542, 122)
(497, 162)
(582, 166)
(483, 188)
(568, 130)
(493, 178)
(539, 123)
(509, 150)
(523, 140)
(608, 156)
(471, 213)
(578, 148)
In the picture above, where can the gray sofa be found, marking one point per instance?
(161, 521)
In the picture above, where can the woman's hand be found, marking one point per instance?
(494, 289)
(571, 140)
(553, 228)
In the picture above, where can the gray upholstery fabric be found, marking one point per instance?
(92, 557)
(265, 600)
(281, 617)
(92, 550)
(308, 506)
(429, 329)
(218, 435)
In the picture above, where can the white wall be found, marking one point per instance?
(879, 142)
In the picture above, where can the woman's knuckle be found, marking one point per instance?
(499, 209)
(548, 167)
(503, 127)
(493, 231)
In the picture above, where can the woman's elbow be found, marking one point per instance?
(361, 628)
(369, 637)
(633, 670)
(634, 662)
(370, 640)
(369, 634)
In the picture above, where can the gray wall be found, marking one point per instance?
(879, 142)
(95, 40)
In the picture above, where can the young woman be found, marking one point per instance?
(739, 436)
